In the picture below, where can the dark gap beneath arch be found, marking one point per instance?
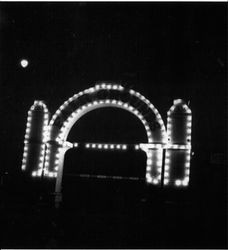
(101, 162)
(105, 125)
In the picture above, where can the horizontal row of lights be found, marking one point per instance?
(147, 146)
(106, 146)
(51, 174)
(142, 146)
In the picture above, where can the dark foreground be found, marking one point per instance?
(113, 214)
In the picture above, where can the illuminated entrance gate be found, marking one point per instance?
(167, 149)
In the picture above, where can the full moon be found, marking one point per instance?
(24, 63)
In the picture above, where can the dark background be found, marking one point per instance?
(163, 50)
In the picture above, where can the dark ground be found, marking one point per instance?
(114, 214)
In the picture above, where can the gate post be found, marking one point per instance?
(58, 184)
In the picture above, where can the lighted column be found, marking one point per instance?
(35, 137)
(177, 159)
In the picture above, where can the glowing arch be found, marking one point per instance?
(46, 142)
(123, 100)
(115, 96)
(67, 125)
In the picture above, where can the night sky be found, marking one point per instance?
(163, 50)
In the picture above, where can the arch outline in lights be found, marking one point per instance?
(58, 132)
(54, 143)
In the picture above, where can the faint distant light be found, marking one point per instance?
(24, 63)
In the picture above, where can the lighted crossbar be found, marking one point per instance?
(114, 146)
(106, 177)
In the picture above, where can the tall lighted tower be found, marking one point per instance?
(34, 143)
(177, 161)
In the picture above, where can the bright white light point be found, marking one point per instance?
(24, 63)
(166, 181)
(178, 182)
(155, 181)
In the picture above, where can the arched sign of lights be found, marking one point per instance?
(168, 150)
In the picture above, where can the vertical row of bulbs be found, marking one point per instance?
(185, 147)
(38, 108)
(154, 165)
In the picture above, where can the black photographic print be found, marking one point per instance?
(113, 125)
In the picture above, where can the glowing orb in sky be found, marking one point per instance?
(24, 63)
